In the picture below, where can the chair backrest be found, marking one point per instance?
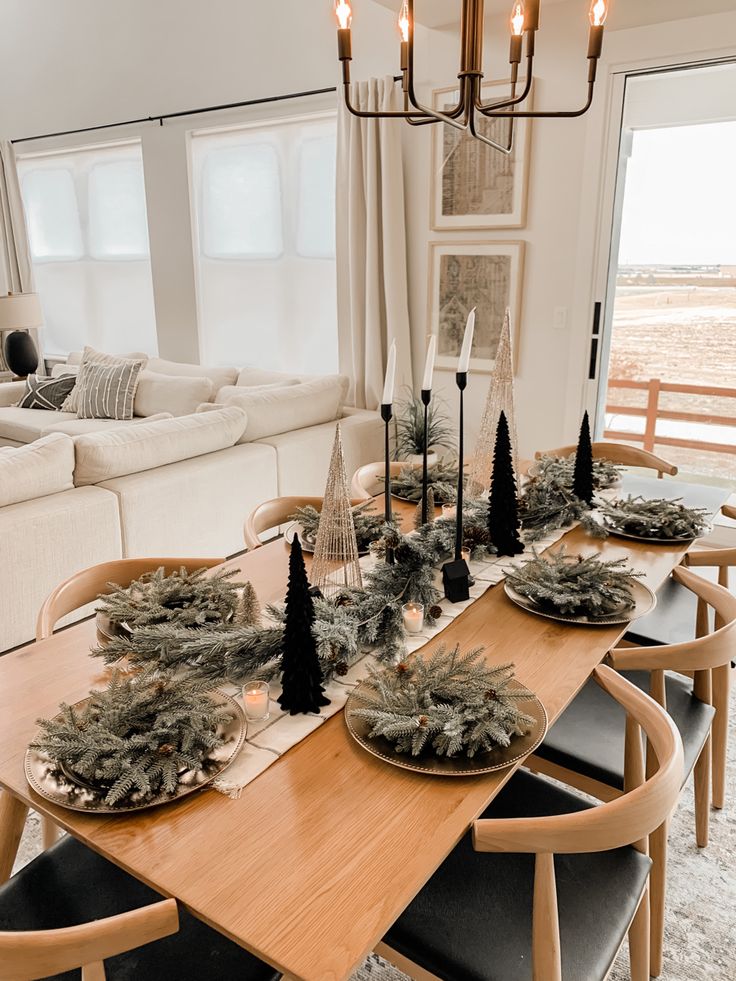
(369, 480)
(627, 820)
(622, 453)
(28, 955)
(85, 586)
(277, 512)
(706, 651)
(729, 511)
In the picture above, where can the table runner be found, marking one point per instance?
(267, 741)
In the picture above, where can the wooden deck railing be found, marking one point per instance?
(651, 412)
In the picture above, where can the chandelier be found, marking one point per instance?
(470, 106)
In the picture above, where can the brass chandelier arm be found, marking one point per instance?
(546, 114)
(515, 100)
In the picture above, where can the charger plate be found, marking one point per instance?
(620, 533)
(644, 602)
(50, 782)
(455, 766)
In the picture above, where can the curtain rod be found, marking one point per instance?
(185, 112)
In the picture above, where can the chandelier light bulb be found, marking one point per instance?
(598, 13)
(404, 21)
(344, 14)
(517, 20)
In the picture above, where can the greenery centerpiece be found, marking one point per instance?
(658, 518)
(449, 703)
(575, 585)
(369, 525)
(441, 477)
(410, 427)
(136, 739)
(189, 599)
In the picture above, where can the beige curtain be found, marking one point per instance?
(372, 296)
(16, 270)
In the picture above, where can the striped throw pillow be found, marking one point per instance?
(107, 391)
(46, 393)
(89, 355)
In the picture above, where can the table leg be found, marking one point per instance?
(12, 818)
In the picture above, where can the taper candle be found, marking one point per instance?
(464, 362)
(388, 387)
(429, 364)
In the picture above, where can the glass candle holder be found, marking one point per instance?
(413, 614)
(449, 511)
(255, 701)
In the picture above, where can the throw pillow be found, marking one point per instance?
(46, 393)
(90, 356)
(107, 391)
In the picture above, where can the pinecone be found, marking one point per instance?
(435, 611)
(491, 695)
(402, 668)
(423, 721)
(166, 749)
(343, 600)
(341, 668)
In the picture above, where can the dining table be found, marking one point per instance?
(313, 862)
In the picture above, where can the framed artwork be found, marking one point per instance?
(485, 275)
(472, 185)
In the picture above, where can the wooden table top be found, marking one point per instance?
(319, 855)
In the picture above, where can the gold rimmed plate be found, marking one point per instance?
(65, 789)
(644, 602)
(455, 766)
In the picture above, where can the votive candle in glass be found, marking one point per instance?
(449, 511)
(413, 617)
(255, 701)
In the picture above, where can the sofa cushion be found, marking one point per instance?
(80, 427)
(37, 470)
(228, 391)
(131, 449)
(250, 376)
(75, 358)
(43, 392)
(280, 410)
(59, 370)
(178, 394)
(219, 376)
(90, 356)
(25, 425)
(107, 391)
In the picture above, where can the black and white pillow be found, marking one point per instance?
(107, 391)
(46, 393)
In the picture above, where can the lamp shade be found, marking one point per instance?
(20, 310)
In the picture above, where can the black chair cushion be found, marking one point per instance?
(70, 884)
(473, 919)
(672, 621)
(589, 735)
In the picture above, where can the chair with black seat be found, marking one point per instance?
(621, 453)
(71, 908)
(584, 747)
(580, 868)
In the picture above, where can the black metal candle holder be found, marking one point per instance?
(387, 415)
(426, 399)
(456, 574)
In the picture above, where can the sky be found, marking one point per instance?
(680, 197)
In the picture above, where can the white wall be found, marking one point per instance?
(83, 62)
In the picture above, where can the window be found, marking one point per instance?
(88, 232)
(264, 204)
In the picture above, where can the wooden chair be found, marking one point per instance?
(71, 908)
(277, 512)
(585, 887)
(370, 480)
(585, 746)
(86, 586)
(622, 453)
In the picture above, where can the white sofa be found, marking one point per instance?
(168, 495)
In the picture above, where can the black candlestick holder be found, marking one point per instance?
(387, 415)
(426, 399)
(456, 574)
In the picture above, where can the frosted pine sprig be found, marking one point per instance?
(657, 518)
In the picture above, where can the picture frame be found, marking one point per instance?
(473, 186)
(482, 274)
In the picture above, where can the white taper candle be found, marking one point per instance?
(464, 362)
(388, 387)
(429, 364)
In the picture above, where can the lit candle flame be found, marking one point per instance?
(517, 20)
(598, 12)
(343, 13)
(404, 21)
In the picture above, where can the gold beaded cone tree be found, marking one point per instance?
(335, 564)
(500, 399)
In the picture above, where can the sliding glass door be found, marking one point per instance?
(668, 366)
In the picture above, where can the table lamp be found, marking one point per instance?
(18, 313)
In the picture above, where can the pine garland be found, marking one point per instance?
(442, 478)
(575, 584)
(450, 703)
(368, 526)
(658, 518)
(134, 739)
(190, 599)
